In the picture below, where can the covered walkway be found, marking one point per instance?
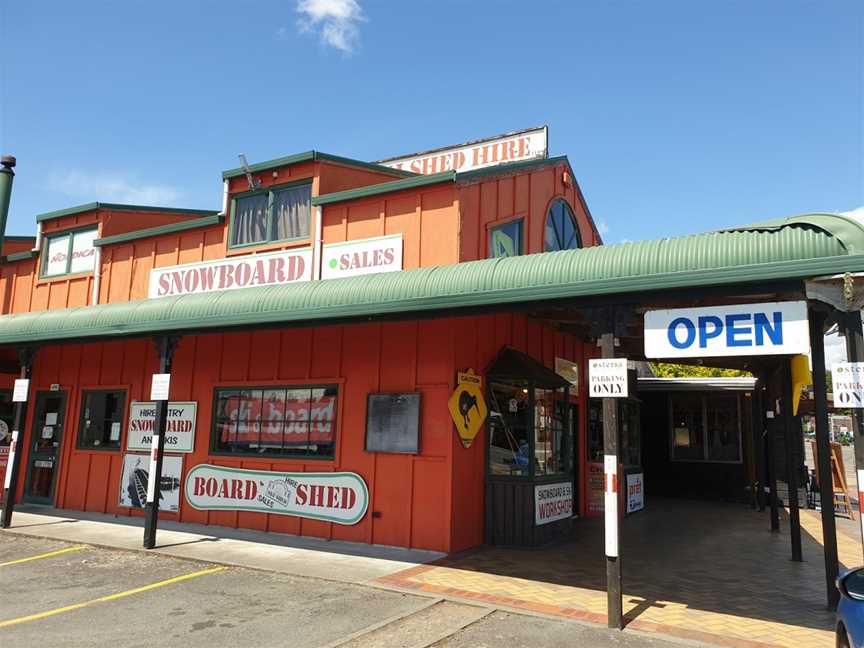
(697, 570)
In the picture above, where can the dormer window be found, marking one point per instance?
(271, 215)
(69, 253)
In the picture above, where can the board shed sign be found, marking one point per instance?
(774, 328)
(246, 271)
(339, 497)
(179, 426)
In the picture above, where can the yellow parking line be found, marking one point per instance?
(110, 597)
(44, 555)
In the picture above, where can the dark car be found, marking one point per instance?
(850, 610)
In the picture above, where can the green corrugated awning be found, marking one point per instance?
(795, 248)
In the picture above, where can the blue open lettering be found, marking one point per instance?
(763, 328)
(734, 330)
(673, 337)
(704, 333)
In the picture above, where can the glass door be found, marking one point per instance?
(43, 462)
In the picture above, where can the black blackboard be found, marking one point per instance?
(393, 423)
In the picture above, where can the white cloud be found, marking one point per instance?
(113, 187)
(335, 21)
(835, 350)
(602, 226)
(857, 214)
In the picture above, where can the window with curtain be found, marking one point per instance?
(279, 214)
(562, 231)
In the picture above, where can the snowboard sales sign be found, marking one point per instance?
(339, 497)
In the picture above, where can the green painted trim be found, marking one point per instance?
(385, 187)
(80, 209)
(509, 167)
(159, 230)
(20, 256)
(18, 238)
(424, 290)
(311, 156)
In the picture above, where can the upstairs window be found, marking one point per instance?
(69, 253)
(562, 232)
(277, 214)
(505, 240)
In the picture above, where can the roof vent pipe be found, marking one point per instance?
(6, 177)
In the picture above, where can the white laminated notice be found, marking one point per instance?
(151, 476)
(11, 461)
(860, 493)
(610, 503)
(160, 386)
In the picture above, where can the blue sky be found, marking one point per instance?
(678, 117)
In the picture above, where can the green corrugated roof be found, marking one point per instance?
(309, 156)
(80, 209)
(798, 248)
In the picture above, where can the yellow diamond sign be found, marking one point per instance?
(468, 406)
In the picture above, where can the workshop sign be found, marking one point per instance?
(553, 502)
(179, 426)
(847, 379)
(468, 406)
(245, 271)
(607, 378)
(366, 256)
(339, 497)
(776, 328)
(510, 147)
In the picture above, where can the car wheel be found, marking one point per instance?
(842, 638)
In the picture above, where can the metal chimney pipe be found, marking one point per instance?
(6, 177)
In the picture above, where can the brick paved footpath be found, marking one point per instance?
(694, 570)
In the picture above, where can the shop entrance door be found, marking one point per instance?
(44, 460)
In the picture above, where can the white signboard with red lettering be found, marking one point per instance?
(510, 147)
(179, 427)
(366, 256)
(553, 502)
(339, 497)
(635, 493)
(245, 271)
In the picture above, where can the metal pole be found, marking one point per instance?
(771, 464)
(615, 616)
(165, 348)
(757, 414)
(855, 353)
(789, 421)
(10, 485)
(823, 450)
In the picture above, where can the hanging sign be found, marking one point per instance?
(553, 502)
(635, 493)
(339, 497)
(468, 406)
(366, 256)
(229, 274)
(847, 379)
(607, 378)
(179, 426)
(134, 482)
(509, 147)
(775, 328)
(569, 371)
(19, 391)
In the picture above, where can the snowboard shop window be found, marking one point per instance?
(282, 421)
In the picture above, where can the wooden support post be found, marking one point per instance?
(792, 458)
(823, 450)
(771, 463)
(614, 607)
(851, 323)
(757, 415)
(165, 347)
(26, 356)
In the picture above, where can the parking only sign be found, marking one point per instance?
(848, 382)
(607, 378)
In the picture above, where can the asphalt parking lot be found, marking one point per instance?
(60, 594)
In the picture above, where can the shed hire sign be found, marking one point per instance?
(179, 427)
(509, 147)
(340, 497)
(228, 274)
(777, 328)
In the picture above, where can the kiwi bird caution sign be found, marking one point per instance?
(468, 406)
